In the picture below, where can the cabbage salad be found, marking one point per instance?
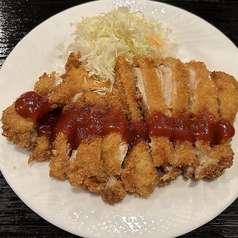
(101, 39)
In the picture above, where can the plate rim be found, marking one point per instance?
(32, 32)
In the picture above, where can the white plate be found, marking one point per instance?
(170, 211)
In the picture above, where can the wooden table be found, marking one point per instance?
(17, 18)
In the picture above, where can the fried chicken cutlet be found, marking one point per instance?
(139, 174)
(17, 129)
(213, 159)
(165, 83)
(163, 118)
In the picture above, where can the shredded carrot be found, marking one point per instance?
(155, 40)
(97, 84)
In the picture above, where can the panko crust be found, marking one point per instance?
(17, 129)
(60, 157)
(139, 174)
(45, 83)
(227, 89)
(115, 164)
(85, 166)
(213, 160)
(114, 192)
(42, 150)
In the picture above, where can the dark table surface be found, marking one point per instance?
(17, 18)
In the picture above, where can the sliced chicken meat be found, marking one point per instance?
(139, 171)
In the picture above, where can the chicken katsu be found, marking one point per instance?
(161, 119)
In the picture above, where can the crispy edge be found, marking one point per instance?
(113, 152)
(42, 150)
(213, 161)
(114, 191)
(60, 157)
(139, 174)
(45, 83)
(227, 87)
(17, 129)
(85, 168)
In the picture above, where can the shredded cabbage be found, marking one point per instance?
(101, 39)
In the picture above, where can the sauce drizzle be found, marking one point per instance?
(85, 120)
(191, 128)
(32, 105)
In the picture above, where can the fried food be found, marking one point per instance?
(227, 95)
(17, 129)
(41, 151)
(85, 168)
(163, 118)
(60, 157)
(139, 175)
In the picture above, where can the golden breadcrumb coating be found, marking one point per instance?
(153, 95)
(45, 83)
(227, 90)
(114, 192)
(162, 150)
(212, 160)
(204, 93)
(72, 83)
(85, 167)
(139, 174)
(73, 61)
(113, 150)
(184, 154)
(17, 129)
(60, 157)
(42, 150)
(124, 84)
(117, 162)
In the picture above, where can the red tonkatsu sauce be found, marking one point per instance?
(31, 105)
(140, 130)
(77, 123)
(195, 127)
(88, 120)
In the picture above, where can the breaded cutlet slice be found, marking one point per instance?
(60, 157)
(227, 90)
(85, 167)
(126, 89)
(148, 84)
(72, 84)
(140, 154)
(45, 83)
(42, 150)
(174, 76)
(150, 87)
(114, 150)
(204, 98)
(17, 129)
(139, 175)
(114, 192)
(202, 90)
(220, 156)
